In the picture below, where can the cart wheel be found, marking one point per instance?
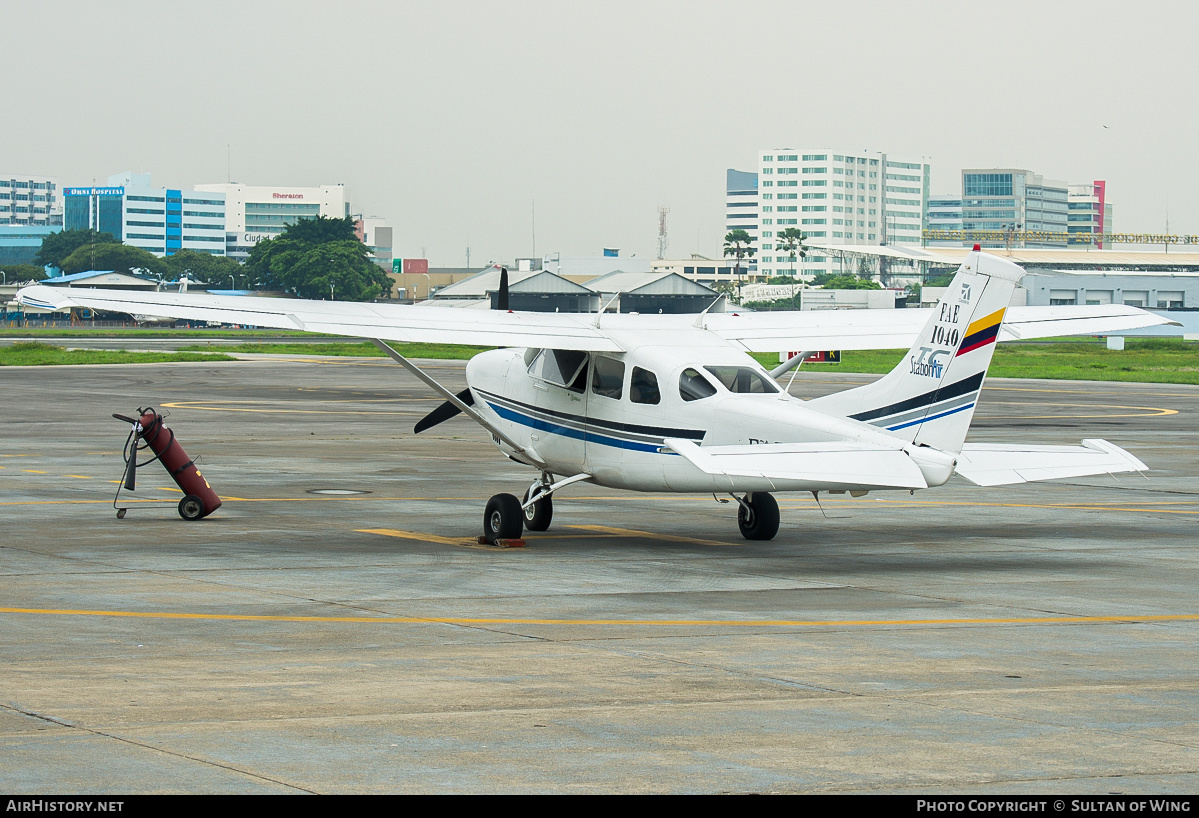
(191, 507)
(120, 513)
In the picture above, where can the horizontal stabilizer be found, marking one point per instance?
(851, 465)
(986, 464)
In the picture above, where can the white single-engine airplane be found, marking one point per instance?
(673, 402)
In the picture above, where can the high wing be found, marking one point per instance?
(754, 332)
(986, 464)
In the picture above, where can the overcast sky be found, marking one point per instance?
(457, 121)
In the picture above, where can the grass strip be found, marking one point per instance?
(39, 354)
(362, 350)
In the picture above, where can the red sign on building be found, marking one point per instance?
(416, 265)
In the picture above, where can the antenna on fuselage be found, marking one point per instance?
(699, 321)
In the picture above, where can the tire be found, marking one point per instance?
(503, 519)
(761, 520)
(538, 515)
(191, 507)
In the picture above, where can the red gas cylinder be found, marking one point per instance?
(199, 499)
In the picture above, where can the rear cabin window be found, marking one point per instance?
(694, 386)
(564, 367)
(643, 386)
(607, 377)
(743, 380)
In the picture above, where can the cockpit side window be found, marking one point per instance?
(607, 377)
(694, 386)
(643, 386)
(743, 380)
(564, 367)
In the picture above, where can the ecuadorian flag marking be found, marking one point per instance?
(982, 332)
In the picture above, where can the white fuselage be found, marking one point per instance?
(576, 422)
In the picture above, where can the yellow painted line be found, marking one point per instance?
(649, 535)
(80, 476)
(33, 471)
(415, 535)
(739, 623)
(1145, 412)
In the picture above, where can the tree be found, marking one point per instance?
(205, 267)
(844, 282)
(318, 258)
(791, 240)
(117, 257)
(57, 246)
(739, 244)
(14, 273)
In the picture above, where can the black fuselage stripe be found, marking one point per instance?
(632, 428)
(927, 399)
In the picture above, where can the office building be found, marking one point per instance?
(1014, 201)
(162, 221)
(29, 200)
(836, 198)
(254, 213)
(1088, 211)
(741, 202)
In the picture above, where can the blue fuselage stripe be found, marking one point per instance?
(567, 431)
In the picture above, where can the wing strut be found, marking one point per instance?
(450, 397)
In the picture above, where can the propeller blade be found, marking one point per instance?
(131, 467)
(444, 412)
(502, 300)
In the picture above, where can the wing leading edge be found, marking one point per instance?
(754, 332)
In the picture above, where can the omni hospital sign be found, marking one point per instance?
(1003, 236)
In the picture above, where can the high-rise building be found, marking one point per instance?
(159, 220)
(29, 200)
(741, 202)
(1009, 200)
(836, 198)
(254, 213)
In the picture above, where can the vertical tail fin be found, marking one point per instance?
(930, 396)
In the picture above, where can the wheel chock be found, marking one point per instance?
(502, 543)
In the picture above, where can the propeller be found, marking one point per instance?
(502, 300)
(447, 410)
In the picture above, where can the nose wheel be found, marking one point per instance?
(758, 516)
(538, 513)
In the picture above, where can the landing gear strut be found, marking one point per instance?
(758, 516)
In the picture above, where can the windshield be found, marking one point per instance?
(743, 380)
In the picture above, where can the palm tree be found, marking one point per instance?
(792, 241)
(739, 244)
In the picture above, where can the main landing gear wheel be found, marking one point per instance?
(538, 515)
(503, 519)
(758, 516)
(191, 507)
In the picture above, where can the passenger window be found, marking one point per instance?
(643, 387)
(694, 386)
(743, 380)
(564, 367)
(607, 377)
